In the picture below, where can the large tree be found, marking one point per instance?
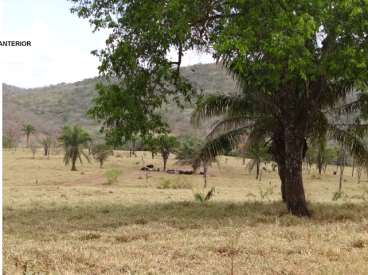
(294, 59)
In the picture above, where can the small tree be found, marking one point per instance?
(151, 144)
(258, 153)
(46, 144)
(28, 129)
(101, 152)
(74, 139)
(320, 154)
(188, 149)
(167, 145)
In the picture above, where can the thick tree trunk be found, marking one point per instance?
(294, 190)
(281, 170)
(278, 152)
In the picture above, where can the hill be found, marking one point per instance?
(50, 108)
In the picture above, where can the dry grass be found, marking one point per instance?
(62, 222)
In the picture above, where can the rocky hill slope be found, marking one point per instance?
(50, 108)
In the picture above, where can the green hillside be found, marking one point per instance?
(50, 108)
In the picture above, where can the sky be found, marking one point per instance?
(61, 44)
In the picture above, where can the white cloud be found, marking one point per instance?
(61, 45)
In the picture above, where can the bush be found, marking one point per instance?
(204, 197)
(101, 152)
(112, 176)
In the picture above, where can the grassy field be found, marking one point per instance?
(62, 222)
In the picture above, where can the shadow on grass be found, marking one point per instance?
(180, 215)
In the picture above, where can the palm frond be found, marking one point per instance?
(217, 105)
(220, 144)
(229, 124)
(352, 142)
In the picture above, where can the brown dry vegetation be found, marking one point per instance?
(62, 222)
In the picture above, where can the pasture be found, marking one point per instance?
(60, 222)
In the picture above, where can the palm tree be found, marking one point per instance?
(254, 114)
(74, 140)
(258, 153)
(28, 129)
(166, 145)
(151, 144)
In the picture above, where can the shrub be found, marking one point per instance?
(101, 152)
(204, 197)
(112, 176)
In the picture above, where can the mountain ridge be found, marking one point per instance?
(51, 107)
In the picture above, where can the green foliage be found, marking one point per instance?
(101, 152)
(204, 197)
(123, 115)
(74, 139)
(112, 176)
(188, 148)
(151, 144)
(28, 129)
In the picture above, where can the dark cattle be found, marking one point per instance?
(186, 172)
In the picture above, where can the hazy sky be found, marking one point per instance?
(61, 44)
